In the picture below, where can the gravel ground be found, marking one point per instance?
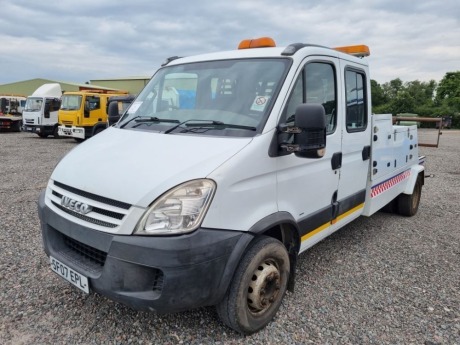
(380, 280)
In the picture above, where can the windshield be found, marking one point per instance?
(33, 104)
(228, 97)
(71, 102)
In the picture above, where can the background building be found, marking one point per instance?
(133, 85)
(27, 87)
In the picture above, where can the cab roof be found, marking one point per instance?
(265, 47)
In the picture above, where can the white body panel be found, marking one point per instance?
(133, 159)
(395, 168)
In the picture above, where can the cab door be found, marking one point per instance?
(356, 138)
(307, 187)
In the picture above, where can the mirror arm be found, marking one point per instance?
(283, 128)
(290, 148)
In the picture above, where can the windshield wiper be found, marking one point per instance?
(141, 119)
(208, 123)
(221, 125)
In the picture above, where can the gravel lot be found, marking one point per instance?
(380, 280)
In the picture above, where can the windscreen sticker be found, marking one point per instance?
(133, 108)
(259, 103)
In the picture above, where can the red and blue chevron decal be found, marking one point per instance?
(385, 185)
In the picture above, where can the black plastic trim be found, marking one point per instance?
(315, 220)
(352, 201)
(273, 220)
(92, 196)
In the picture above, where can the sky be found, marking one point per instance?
(78, 41)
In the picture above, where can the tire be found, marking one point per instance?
(408, 203)
(98, 130)
(79, 140)
(258, 287)
(42, 135)
(391, 207)
(56, 132)
(17, 126)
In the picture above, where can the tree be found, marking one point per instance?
(423, 98)
(449, 90)
(392, 88)
(377, 94)
(448, 97)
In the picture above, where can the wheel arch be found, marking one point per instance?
(417, 172)
(98, 127)
(283, 227)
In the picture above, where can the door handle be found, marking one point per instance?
(336, 160)
(366, 152)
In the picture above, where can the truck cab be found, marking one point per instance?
(40, 114)
(116, 107)
(228, 167)
(11, 108)
(83, 114)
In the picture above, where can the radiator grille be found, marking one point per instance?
(92, 196)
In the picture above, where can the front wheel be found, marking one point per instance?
(98, 130)
(258, 287)
(56, 132)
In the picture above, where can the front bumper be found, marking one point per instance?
(71, 132)
(162, 274)
(39, 129)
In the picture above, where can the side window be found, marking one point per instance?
(356, 118)
(295, 99)
(56, 104)
(316, 84)
(94, 102)
(320, 81)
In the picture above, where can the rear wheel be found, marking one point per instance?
(258, 287)
(408, 203)
(17, 126)
(391, 207)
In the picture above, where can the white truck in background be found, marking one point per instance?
(210, 199)
(40, 115)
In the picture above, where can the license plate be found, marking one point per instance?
(69, 274)
(29, 129)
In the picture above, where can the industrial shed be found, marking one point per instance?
(27, 87)
(133, 85)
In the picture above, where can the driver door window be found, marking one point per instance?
(316, 84)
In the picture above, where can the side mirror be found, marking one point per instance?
(113, 113)
(309, 132)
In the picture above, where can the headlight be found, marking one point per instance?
(179, 210)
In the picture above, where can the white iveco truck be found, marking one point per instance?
(40, 115)
(209, 198)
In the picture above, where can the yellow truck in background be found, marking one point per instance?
(83, 114)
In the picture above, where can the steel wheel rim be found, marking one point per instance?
(264, 287)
